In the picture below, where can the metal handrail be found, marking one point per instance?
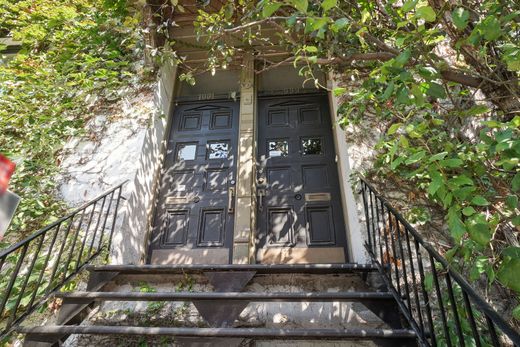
(34, 268)
(389, 243)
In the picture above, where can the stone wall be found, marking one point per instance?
(105, 155)
(122, 143)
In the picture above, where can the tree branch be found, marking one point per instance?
(460, 77)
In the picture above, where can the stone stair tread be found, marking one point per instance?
(250, 296)
(263, 333)
(258, 268)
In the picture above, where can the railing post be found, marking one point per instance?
(114, 222)
(365, 207)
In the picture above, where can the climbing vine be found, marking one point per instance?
(441, 76)
(75, 56)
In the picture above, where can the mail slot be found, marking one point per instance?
(175, 200)
(310, 197)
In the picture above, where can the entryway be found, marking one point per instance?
(250, 175)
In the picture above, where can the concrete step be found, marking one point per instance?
(79, 297)
(398, 337)
(257, 268)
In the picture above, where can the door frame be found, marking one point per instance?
(136, 215)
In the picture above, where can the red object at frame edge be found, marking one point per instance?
(6, 170)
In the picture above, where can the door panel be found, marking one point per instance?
(198, 176)
(298, 193)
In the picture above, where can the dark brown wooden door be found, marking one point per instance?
(299, 201)
(196, 194)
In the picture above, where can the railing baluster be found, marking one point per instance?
(441, 304)
(96, 228)
(14, 276)
(405, 272)
(26, 280)
(414, 280)
(426, 297)
(471, 319)
(100, 244)
(114, 219)
(394, 255)
(373, 220)
(2, 261)
(57, 263)
(42, 271)
(453, 302)
(492, 331)
(80, 253)
(387, 248)
(78, 230)
(367, 217)
(380, 225)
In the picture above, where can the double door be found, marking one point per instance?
(297, 189)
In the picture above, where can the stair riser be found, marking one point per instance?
(284, 334)
(259, 283)
(279, 315)
(259, 268)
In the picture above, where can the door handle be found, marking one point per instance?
(261, 194)
(231, 199)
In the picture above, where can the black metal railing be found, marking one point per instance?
(439, 304)
(32, 269)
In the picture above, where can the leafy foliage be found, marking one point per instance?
(75, 53)
(443, 77)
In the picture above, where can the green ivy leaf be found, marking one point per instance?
(313, 24)
(479, 109)
(438, 156)
(409, 5)
(403, 95)
(270, 8)
(428, 281)
(393, 128)
(512, 201)
(490, 28)
(328, 4)
(451, 163)
(300, 5)
(388, 91)
(511, 252)
(415, 157)
(418, 95)
(339, 24)
(427, 13)
(436, 182)
(460, 17)
(480, 233)
(402, 58)
(461, 180)
(508, 274)
(339, 91)
(457, 228)
(479, 200)
(515, 183)
(468, 211)
(311, 49)
(436, 90)
(516, 313)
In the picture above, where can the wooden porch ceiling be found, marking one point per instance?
(195, 50)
